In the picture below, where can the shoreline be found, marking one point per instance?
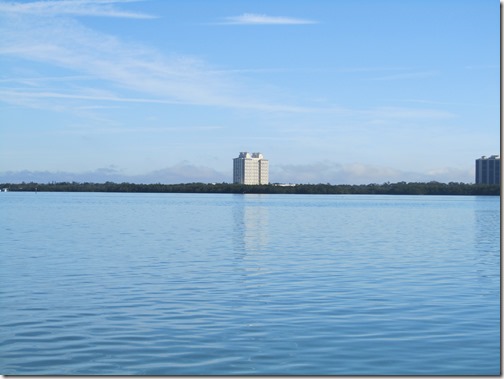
(400, 188)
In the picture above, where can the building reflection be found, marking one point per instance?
(487, 238)
(251, 223)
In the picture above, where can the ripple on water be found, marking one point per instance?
(185, 284)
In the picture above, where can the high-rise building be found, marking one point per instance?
(488, 170)
(250, 169)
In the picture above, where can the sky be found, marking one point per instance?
(330, 91)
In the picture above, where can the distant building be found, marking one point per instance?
(250, 168)
(488, 170)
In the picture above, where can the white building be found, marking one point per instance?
(250, 169)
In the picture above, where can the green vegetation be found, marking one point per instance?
(401, 188)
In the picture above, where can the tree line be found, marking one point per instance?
(400, 188)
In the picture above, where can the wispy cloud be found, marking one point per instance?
(131, 72)
(400, 113)
(146, 73)
(311, 70)
(262, 19)
(43, 80)
(38, 99)
(142, 130)
(407, 75)
(101, 8)
(27, 95)
(431, 102)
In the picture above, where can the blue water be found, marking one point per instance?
(159, 284)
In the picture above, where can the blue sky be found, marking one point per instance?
(343, 91)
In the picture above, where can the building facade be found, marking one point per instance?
(488, 170)
(250, 168)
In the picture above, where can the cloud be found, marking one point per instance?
(360, 173)
(400, 113)
(118, 65)
(38, 99)
(139, 130)
(68, 44)
(407, 75)
(331, 172)
(261, 19)
(310, 173)
(13, 95)
(101, 8)
(183, 172)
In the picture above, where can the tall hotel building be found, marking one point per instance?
(488, 170)
(250, 169)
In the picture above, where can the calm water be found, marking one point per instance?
(248, 284)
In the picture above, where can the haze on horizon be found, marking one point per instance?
(329, 91)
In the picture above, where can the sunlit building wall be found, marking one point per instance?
(250, 168)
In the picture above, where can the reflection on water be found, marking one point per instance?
(486, 229)
(195, 284)
(251, 223)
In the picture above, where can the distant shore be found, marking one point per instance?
(400, 188)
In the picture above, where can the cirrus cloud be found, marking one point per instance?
(262, 19)
(72, 7)
(146, 74)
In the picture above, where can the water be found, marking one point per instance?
(158, 284)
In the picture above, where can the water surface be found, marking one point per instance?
(158, 284)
